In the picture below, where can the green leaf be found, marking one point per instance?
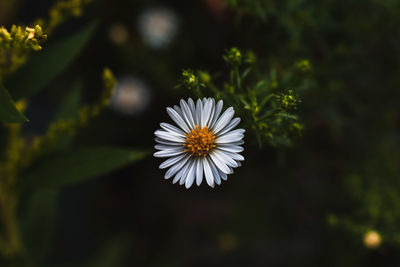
(47, 64)
(266, 99)
(68, 109)
(70, 105)
(8, 111)
(75, 166)
(245, 73)
(37, 223)
(286, 116)
(112, 254)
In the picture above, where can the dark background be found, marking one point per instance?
(275, 209)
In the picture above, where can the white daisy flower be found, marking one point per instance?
(204, 145)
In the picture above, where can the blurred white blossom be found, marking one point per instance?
(158, 26)
(131, 96)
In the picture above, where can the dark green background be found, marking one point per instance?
(345, 164)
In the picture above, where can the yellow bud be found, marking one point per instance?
(5, 34)
(31, 32)
(192, 79)
(21, 105)
(38, 29)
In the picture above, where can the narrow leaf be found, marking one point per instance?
(8, 111)
(76, 166)
(37, 223)
(70, 105)
(47, 64)
(112, 254)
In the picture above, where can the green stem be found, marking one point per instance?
(8, 211)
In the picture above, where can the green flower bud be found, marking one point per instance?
(233, 56)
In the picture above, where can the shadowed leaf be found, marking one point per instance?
(8, 111)
(47, 64)
(37, 223)
(76, 166)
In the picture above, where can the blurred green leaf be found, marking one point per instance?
(111, 255)
(68, 109)
(45, 66)
(70, 105)
(78, 165)
(37, 224)
(8, 111)
(286, 115)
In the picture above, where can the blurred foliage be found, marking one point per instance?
(8, 109)
(353, 48)
(15, 44)
(44, 67)
(30, 169)
(265, 100)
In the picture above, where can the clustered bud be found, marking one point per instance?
(303, 65)
(288, 101)
(233, 56)
(18, 37)
(190, 80)
(63, 10)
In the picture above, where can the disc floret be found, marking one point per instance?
(199, 142)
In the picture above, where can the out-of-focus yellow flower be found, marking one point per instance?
(372, 239)
(16, 44)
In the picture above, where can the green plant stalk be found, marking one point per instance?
(8, 213)
(8, 197)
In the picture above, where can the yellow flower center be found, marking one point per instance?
(199, 142)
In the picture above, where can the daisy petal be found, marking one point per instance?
(215, 172)
(199, 172)
(192, 107)
(237, 143)
(206, 113)
(234, 156)
(165, 142)
(178, 110)
(223, 176)
(181, 172)
(186, 172)
(237, 131)
(208, 173)
(191, 175)
(172, 129)
(187, 114)
(217, 111)
(219, 163)
(175, 168)
(229, 138)
(169, 136)
(230, 148)
(171, 161)
(199, 111)
(177, 119)
(224, 157)
(167, 153)
(212, 112)
(224, 120)
(229, 127)
(168, 147)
